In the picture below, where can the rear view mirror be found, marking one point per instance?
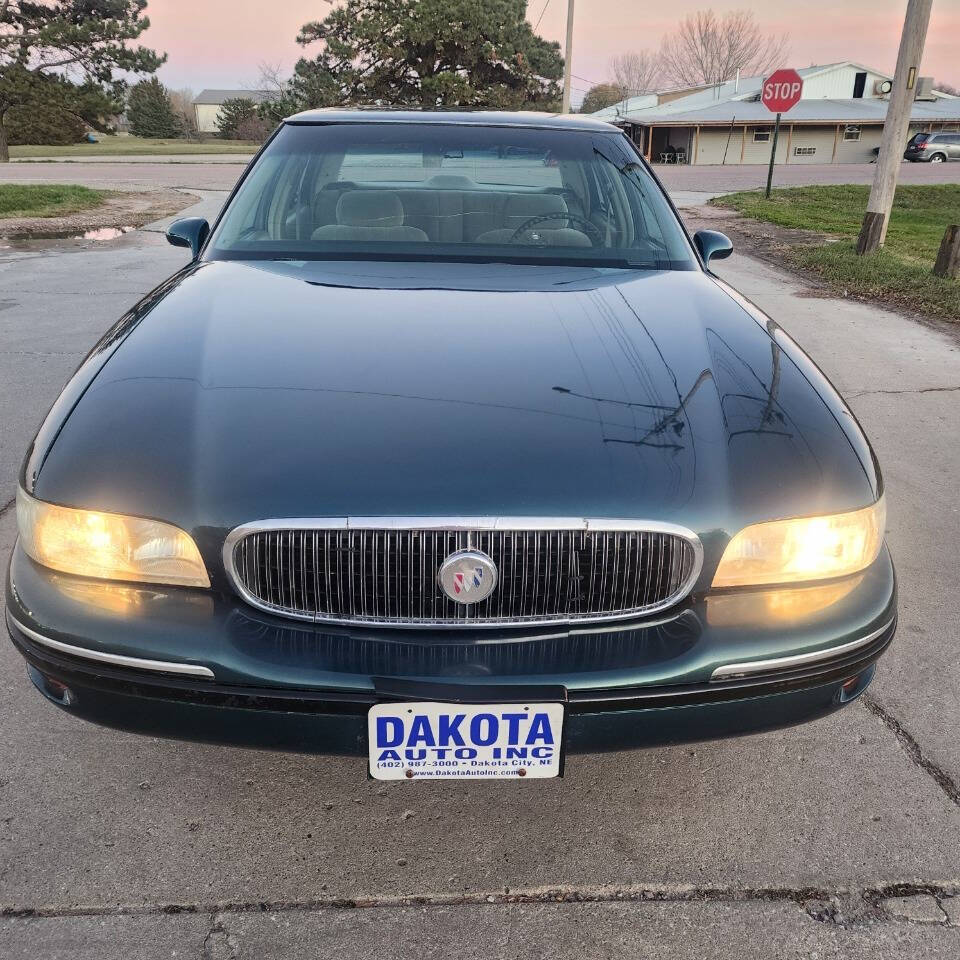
(712, 245)
(188, 232)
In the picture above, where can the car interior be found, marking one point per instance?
(446, 214)
(449, 197)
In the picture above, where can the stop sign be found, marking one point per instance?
(781, 90)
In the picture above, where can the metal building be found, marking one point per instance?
(838, 120)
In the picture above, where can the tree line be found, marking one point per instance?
(65, 65)
(67, 62)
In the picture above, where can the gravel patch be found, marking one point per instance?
(121, 208)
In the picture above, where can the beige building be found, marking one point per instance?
(838, 120)
(207, 103)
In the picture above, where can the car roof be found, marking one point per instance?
(472, 118)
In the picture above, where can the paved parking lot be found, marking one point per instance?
(840, 838)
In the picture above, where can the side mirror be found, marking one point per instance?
(712, 245)
(189, 232)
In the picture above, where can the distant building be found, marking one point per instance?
(838, 120)
(207, 103)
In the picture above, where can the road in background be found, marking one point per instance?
(791, 843)
(221, 172)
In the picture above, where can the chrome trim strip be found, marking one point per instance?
(462, 524)
(733, 671)
(158, 666)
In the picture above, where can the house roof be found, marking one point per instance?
(221, 96)
(639, 102)
(861, 111)
(719, 103)
(705, 94)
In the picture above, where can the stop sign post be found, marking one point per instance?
(780, 92)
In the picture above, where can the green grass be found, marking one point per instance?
(900, 271)
(54, 200)
(125, 146)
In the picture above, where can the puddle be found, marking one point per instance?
(97, 235)
(101, 233)
(104, 233)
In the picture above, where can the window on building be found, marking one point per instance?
(804, 151)
(761, 134)
(859, 83)
(851, 133)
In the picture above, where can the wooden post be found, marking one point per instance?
(789, 142)
(649, 144)
(948, 259)
(871, 231)
(696, 144)
(836, 137)
(743, 142)
(895, 126)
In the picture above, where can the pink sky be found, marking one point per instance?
(219, 43)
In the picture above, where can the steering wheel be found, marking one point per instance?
(590, 229)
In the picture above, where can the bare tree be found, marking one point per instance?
(635, 73)
(182, 102)
(947, 88)
(709, 49)
(272, 82)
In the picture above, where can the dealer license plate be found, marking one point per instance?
(437, 740)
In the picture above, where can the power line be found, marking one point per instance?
(585, 80)
(542, 12)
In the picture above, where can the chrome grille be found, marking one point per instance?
(343, 571)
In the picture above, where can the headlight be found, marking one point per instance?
(106, 545)
(811, 548)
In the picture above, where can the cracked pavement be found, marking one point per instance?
(839, 838)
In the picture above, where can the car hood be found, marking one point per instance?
(244, 391)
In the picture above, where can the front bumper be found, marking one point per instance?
(199, 666)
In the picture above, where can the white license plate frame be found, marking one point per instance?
(436, 740)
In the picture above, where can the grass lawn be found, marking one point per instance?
(36, 200)
(125, 146)
(900, 271)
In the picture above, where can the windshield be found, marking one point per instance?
(451, 192)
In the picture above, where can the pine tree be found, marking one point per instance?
(59, 112)
(239, 119)
(39, 41)
(150, 111)
(429, 53)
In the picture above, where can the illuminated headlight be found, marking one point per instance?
(107, 545)
(797, 551)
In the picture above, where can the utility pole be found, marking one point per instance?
(892, 143)
(568, 59)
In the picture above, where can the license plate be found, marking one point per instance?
(439, 740)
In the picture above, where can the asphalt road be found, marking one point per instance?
(221, 172)
(839, 838)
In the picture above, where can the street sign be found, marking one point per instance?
(781, 90)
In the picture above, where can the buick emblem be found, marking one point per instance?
(467, 576)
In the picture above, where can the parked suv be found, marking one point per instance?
(933, 147)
